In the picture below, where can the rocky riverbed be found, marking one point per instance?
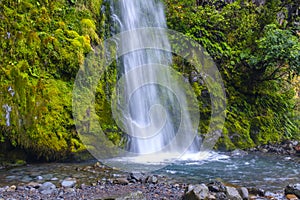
(107, 183)
(92, 180)
(139, 186)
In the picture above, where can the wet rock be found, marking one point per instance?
(68, 183)
(264, 150)
(256, 191)
(121, 181)
(244, 193)
(216, 186)
(293, 189)
(221, 196)
(47, 188)
(137, 176)
(196, 192)
(232, 193)
(238, 152)
(132, 196)
(152, 179)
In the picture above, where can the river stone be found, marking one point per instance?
(256, 191)
(238, 152)
(244, 193)
(137, 176)
(196, 192)
(232, 193)
(221, 196)
(121, 181)
(293, 189)
(152, 179)
(47, 188)
(39, 178)
(11, 188)
(216, 186)
(68, 183)
(34, 185)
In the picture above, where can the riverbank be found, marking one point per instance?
(263, 171)
(142, 187)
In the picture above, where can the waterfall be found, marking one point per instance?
(153, 115)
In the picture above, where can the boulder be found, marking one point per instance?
(244, 193)
(47, 188)
(293, 189)
(196, 192)
(232, 193)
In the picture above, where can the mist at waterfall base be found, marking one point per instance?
(152, 103)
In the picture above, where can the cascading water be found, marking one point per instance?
(152, 117)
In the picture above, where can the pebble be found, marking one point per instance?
(11, 188)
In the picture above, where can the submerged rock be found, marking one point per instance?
(238, 152)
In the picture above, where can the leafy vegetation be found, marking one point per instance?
(258, 56)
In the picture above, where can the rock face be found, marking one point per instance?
(196, 192)
(293, 189)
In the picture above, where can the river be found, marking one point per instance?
(266, 171)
